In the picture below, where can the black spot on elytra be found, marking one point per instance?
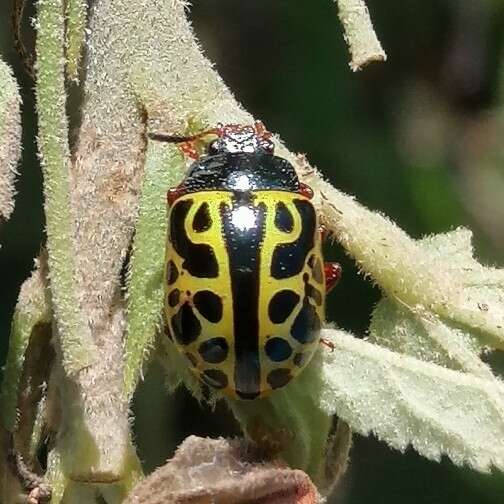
(281, 305)
(214, 350)
(215, 378)
(174, 298)
(289, 258)
(171, 273)
(279, 377)
(199, 258)
(318, 274)
(186, 327)
(209, 305)
(300, 359)
(278, 349)
(192, 359)
(247, 395)
(283, 218)
(306, 325)
(202, 220)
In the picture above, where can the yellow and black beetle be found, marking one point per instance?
(245, 282)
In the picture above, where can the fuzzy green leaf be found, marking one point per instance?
(55, 476)
(426, 273)
(164, 167)
(417, 331)
(291, 416)
(31, 309)
(405, 401)
(290, 422)
(424, 335)
(293, 419)
(176, 370)
(479, 307)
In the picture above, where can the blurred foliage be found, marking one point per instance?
(417, 138)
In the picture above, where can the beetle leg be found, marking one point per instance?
(261, 130)
(327, 343)
(188, 149)
(332, 272)
(305, 190)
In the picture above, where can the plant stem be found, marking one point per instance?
(10, 138)
(76, 11)
(360, 36)
(76, 343)
(164, 166)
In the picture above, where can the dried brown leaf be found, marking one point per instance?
(218, 471)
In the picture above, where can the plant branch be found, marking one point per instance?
(94, 440)
(10, 138)
(360, 36)
(164, 167)
(75, 340)
(403, 269)
(76, 11)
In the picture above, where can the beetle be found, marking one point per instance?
(245, 281)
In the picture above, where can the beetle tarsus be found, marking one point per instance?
(328, 344)
(332, 271)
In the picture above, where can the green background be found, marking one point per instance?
(417, 138)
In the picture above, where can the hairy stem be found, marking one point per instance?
(360, 36)
(10, 138)
(76, 11)
(76, 344)
(164, 166)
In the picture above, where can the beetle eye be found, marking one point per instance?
(214, 147)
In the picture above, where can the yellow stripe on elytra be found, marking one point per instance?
(269, 286)
(220, 285)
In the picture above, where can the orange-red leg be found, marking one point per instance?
(306, 191)
(188, 148)
(332, 271)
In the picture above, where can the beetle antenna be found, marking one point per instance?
(165, 137)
